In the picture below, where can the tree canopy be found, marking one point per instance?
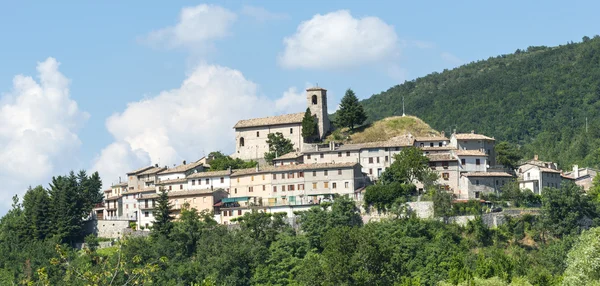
(309, 126)
(278, 146)
(219, 162)
(351, 112)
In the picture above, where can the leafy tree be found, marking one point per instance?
(507, 155)
(309, 126)
(278, 146)
(566, 210)
(442, 204)
(263, 227)
(583, 262)
(384, 196)
(351, 112)
(163, 221)
(409, 166)
(594, 191)
(220, 162)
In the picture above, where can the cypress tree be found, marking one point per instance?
(163, 221)
(309, 126)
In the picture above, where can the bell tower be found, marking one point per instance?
(317, 102)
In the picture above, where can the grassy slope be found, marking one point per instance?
(386, 129)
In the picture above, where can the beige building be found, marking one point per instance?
(448, 170)
(479, 183)
(535, 175)
(251, 134)
(583, 177)
(473, 141)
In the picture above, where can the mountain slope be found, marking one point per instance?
(538, 98)
(385, 129)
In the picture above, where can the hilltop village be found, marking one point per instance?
(465, 163)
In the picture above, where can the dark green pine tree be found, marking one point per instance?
(36, 208)
(351, 112)
(66, 207)
(163, 221)
(309, 126)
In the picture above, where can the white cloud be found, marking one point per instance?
(292, 101)
(197, 27)
(262, 14)
(451, 59)
(338, 40)
(183, 123)
(38, 130)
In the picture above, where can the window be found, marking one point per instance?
(193, 182)
(291, 187)
(445, 165)
(126, 206)
(181, 187)
(339, 154)
(250, 189)
(397, 148)
(370, 171)
(476, 182)
(314, 99)
(300, 187)
(263, 177)
(283, 188)
(347, 153)
(235, 190)
(334, 185)
(208, 181)
(314, 186)
(239, 212)
(346, 185)
(290, 175)
(326, 185)
(477, 162)
(146, 214)
(308, 157)
(314, 173)
(283, 176)
(477, 195)
(377, 160)
(238, 180)
(291, 130)
(431, 144)
(274, 176)
(252, 178)
(242, 142)
(422, 145)
(440, 144)
(370, 160)
(463, 161)
(170, 188)
(264, 188)
(135, 206)
(339, 171)
(432, 164)
(274, 189)
(325, 172)
(497, 182)
(445, 176)
(222, 180)
(386, 158)
(300, 174)
(321, 155)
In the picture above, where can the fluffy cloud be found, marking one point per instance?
(262, 14)
(197, 26)
(186, 122)
(338, 40)
(292, 101)
(38, 130)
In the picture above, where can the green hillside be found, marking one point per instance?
(538, 97)
(385, 129)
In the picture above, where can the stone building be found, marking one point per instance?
(535, 175)
(251, 134)
(583, 177)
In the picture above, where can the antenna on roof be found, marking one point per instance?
(403, 107)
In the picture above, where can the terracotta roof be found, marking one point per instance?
(151, 171)
(147, 189)
(443, 148)
(139, 170)
(285, 168)
(472, 136)
(567, 177)
(487, 174)
(108, 191)
(172, 181)
(272, 120)
(470, 153)
(291, 155)
(113, 198)
(181, 168)
(209, 174)
(440, 157)
(315, 88)
(181, 193)
(548, 170)
(123, 184)
(431, 138)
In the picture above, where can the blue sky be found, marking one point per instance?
(127, 60)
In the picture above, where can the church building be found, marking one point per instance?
(251, 134)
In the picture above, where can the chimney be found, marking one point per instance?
(454, 131)
(183, 162)
(156, 165)
(317, 147)
(257, 168)
(229, 170)
(576, 171)
(331, 145)
(443, 133)
(472, 131)
(119, 179)
(535, 157)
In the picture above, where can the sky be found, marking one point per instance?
(111, 86)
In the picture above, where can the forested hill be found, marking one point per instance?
(538, 97)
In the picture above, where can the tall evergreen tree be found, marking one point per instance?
(309, 126)
(36, 209)
(163, 221)
(351, 112)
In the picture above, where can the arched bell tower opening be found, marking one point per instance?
(317, 103)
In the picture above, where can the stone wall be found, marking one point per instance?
(112, 228)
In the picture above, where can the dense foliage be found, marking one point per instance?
(219, 162)
(278, 146)
(309, 126)
(538, 98)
